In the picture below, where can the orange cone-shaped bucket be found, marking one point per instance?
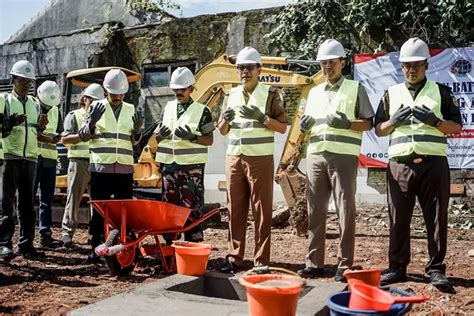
(272, 294)
(191, 258)
(370, 277)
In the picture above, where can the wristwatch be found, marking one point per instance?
(266, 119)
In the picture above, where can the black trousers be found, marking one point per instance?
(429, 181)
(107, 186)
(18, 175)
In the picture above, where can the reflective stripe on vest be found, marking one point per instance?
(249, 137)
(22, 141)
(112, 146)
(81, 149)
(325, 138)
(49, 151)
(416, 137)
(177, 150)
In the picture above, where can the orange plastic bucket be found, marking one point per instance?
(370, 277)
(272, 294)
(191, 258)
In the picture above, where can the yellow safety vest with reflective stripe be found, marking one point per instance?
(416, 137)
(114, 141)
(177, 150)
(325, 138)
(81, 149)
(22, 141)
(49, 151)
(249, 137)
(2, 112)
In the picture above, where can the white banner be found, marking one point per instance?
(452, 67)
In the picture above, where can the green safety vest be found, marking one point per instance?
(416, 137)
(22, 141)
(81, 149)
(177, 150)
(114, 142)
(49, 151)
(249, 137)
(325, 138)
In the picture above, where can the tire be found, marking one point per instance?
(124, 262)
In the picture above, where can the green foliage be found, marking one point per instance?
(151, 5)
(373, 25)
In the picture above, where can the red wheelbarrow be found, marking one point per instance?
(128, 222)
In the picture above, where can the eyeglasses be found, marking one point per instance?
(241, 68)
(408, 66)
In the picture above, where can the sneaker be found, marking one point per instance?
(48, 241)
(339, 277)
(6, 253)
(67, 241)
(393, 275)
(439, 281)
(310, 272)
(31, 253)
(229, 267)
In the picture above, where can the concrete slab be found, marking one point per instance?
(165, 297)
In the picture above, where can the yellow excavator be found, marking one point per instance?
(212, 82)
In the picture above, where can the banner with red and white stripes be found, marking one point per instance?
(453, 67)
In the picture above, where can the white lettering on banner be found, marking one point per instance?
(453, 67)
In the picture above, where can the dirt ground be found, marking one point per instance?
(64, 281)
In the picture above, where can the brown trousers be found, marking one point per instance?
(429, 181)
(250, 180)
(328, 173)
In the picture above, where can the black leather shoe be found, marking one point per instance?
(6, 253)
(229, 267)
(311, 273)
(31, 253)
(93, 258)
(393, 275)
(49, 242)
(439, 281)
(339, 277)
(194, 237)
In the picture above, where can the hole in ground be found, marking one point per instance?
(219, 287)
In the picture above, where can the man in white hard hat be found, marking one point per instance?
(253, 112)
(112, 127)
(20, 149)
(49, 95)
(417, 115)
(337, 113)
(184, 135)
(78, 175)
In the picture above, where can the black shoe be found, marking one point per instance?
(93, 258)
(311, 273)
(49, 242)
(393, 275)
(31, 253)
(339, 277)
(229, 267)
(67, 241)
(194, 237)
(6, 253)
(439, 281)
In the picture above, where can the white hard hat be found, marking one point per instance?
(49, 93)
(414, 49)
(248, 55)
(116, 82)
(24, 69)
(330, 49)
(182, 78)
(94, 91)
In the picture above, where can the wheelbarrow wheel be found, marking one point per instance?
(125, 261)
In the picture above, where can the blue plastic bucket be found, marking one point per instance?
(338, 304)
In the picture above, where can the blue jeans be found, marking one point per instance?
(46, 180)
